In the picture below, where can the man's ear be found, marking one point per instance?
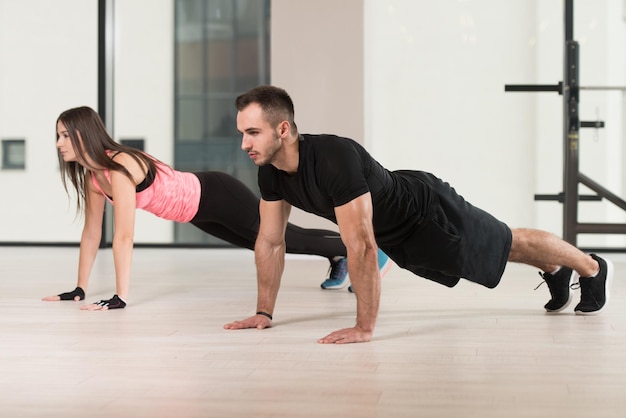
(283, 129)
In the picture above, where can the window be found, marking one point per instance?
(13, 154)
(134, 143)
(221, 50)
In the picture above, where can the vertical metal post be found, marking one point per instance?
(105, 62)
(571, 128)
(263, 44)
(569, 20)
(105, 77)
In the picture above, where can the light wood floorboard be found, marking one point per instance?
(437, 352)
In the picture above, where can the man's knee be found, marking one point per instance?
(521, 240)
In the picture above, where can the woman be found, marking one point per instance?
(101, 169)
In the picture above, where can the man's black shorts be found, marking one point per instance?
(456, 240)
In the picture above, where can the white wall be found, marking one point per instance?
(434, 97)
(602, 37)
(317, 56)
(49, 64)
(600, 29)
(144, 90)
(419, 82)
(435, 100)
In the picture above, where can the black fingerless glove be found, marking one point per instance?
(114, 303)
(71, 295)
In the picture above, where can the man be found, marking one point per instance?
(414, 217)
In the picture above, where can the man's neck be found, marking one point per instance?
(289, 156)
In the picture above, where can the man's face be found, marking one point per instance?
(260, 140)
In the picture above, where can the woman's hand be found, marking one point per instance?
(75, 295)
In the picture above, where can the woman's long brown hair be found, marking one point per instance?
(94, 145)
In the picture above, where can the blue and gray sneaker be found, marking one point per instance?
(338, 277)
(384, 264)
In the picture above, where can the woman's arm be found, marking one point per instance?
(123, 192)
(89, 242)
(124, 235)
(92, 233)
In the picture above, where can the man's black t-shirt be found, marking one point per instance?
(419, 220)
(333, 171)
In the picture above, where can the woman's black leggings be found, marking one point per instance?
(230, 211)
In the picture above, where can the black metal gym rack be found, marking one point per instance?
(569, 88)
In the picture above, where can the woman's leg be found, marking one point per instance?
(314, 241)
(230, 211)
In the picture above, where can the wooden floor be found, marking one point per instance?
(437, 352)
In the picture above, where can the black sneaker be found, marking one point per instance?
(594, 291)
(560, 285)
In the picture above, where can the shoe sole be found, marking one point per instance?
(386, 267)
(572, 278)
(607, 289)
(343, 285)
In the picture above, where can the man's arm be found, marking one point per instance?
(357, 232)
(269, 254)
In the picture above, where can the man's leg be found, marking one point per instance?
(549, 253)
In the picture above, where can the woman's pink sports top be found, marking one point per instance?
(173, 195)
